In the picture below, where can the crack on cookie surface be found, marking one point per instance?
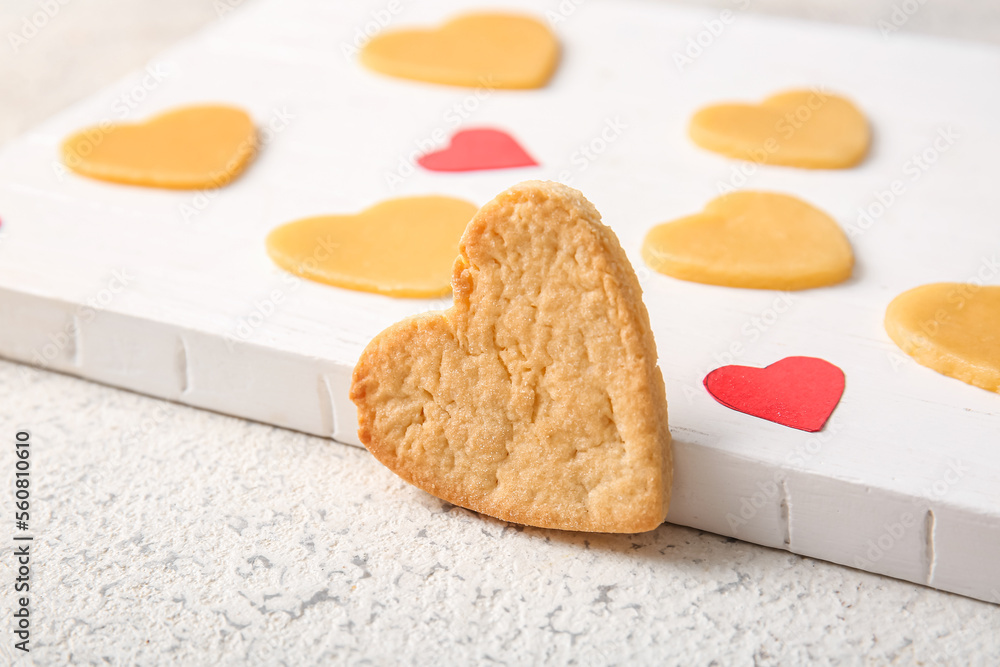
(544, 398)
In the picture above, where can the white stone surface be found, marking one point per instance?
(217, 540)
(192, 309)
(170, 535)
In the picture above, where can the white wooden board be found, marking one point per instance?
(184, 303)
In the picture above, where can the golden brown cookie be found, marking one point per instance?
(536, 398)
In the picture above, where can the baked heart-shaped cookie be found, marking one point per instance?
(798, 128)
(759, 240)
(536, 398)
(488, 50)
(953, 328)
(401, 247)
(193, 147)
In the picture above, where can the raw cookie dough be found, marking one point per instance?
(761, 240)
(953, 328)
(481, 50)
(798, 128)
(536, 398)
(400, 247)
(190, 148)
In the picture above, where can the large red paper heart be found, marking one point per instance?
(800, 392)
(472, 150)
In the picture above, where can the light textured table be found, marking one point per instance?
(166, 534)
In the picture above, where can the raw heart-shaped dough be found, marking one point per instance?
(401, 247)
(537, 397)
(799, 128)
(759, 240)
(953, 328)
(191, 148)
(481, 50)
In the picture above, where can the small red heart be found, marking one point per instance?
(471, 150)
(800, 392)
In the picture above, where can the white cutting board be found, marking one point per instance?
(904, 481)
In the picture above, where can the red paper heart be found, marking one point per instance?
(471, 150)
(800, 392)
